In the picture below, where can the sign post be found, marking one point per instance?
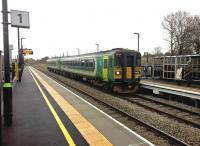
(20, 19)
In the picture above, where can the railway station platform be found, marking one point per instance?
(47, 113)
(158, 86)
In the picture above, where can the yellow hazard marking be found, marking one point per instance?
(58, 120)
(87, 130)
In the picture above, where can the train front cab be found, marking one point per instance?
(127, 71)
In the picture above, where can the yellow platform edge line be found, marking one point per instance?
(58, 120)
(87, 130)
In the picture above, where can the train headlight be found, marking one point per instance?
(117, 73)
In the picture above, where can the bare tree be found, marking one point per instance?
(178, 27)
(157, 51)
(169, 26)
(183, 34)
(196, 34)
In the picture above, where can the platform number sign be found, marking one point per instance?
(20, 19)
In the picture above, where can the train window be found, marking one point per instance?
(86, 63)
(105, 63)
(130, 61)
(91, 63)
(78, 63)
(82, 62)
(118, 60)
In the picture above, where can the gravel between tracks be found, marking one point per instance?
(181, 131)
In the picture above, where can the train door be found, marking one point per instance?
(99, 72)
(105, 68)
(129, 66)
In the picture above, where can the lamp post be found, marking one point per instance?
(138, 34)
(97, 47)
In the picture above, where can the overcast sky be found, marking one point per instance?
(58, 26)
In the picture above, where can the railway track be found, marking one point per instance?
(153, 132)
(182, 115)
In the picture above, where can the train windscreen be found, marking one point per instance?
(118, 60)
(130, 61)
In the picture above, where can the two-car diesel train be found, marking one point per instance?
(118, 69)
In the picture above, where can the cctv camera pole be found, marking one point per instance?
(7, 86)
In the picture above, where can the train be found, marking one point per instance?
(118, 69)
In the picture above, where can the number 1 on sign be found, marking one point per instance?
(20, 18)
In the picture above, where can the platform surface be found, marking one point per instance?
(157, 86)
(34, 124)
(171, 84)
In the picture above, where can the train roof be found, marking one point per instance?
(52, 59)
(98, 53)
(195, 55)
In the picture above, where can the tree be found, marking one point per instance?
(157, 51)
(195, 27)
(178, 27)
(169, 26)
(183, 33)
(167, 53)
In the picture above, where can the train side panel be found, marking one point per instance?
(118, 69)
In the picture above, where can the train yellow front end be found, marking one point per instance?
(127, 72)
